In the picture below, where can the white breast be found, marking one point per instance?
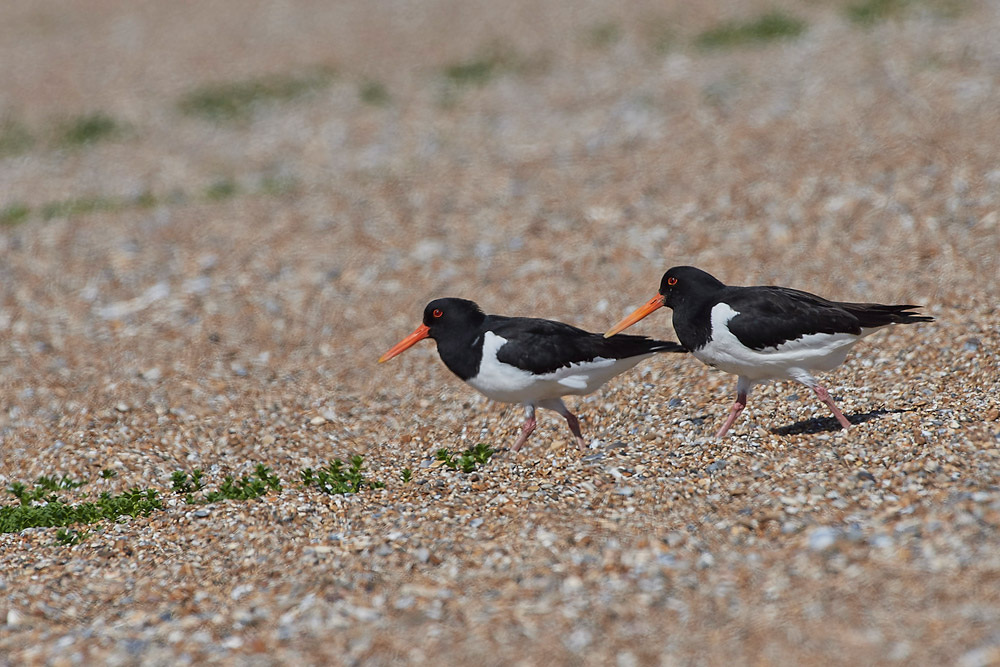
(509, 384)
(809, 352)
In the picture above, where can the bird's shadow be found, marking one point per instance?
(830, 424)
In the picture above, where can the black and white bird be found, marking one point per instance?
(526, 360)
(765, 333)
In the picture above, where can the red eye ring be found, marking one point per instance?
(437, 312)
(671, 280)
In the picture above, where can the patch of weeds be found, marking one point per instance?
(43, 487)
(249, 487)
(238, 100)
(767, 28)
(222, 189)
(373, 93)
(71, 207)
(467, 460)
(145, 199)
(15, 138)
(33, 513)
(14, 214)
(406, 475)
(107, 473)
(89, 129)
(603, 35)
(473, 72)
(481, 70)
(869, 12)
(71, 537)
(187, 483)
(335, 479)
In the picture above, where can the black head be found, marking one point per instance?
(681, 283)
(450, 314)
(448, 319)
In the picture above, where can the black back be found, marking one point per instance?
(535, 345)
(543, 346)
(768, 315)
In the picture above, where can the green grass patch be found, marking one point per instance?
(374, 93)
(14, 214)
(468, 460)
(603, 35)
(223, 188)
(15, 138)
(260, 482)
(238, 100)
(39, 505)
(71, 537)
(479, 71)
(869, 12)
(767, 28)
(79, 206)
(89, 129)
(336, 479)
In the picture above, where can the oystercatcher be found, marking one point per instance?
(526, 360)
(765, 333)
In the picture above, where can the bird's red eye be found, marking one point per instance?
(671, 281)
(437, 312)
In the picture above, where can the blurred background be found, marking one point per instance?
(216, 204)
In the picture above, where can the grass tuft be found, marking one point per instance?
(71, 537)
(374, 93)
(223, 188)
(89, 129)
(15, 138)
(869, 12)
(467, 460)
(479, 71)
(335, 479)
(14, 214)
(767, 28)
(83, 205)
(40, 506)
(603, 35)
(238, 100)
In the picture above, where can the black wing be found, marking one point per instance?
(770, 316)
(544, 346)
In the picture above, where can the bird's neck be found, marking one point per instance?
(461, 351)
(692, 320)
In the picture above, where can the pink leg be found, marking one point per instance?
(526, 430)
(734, 412)
(825, 397)
(574, 423)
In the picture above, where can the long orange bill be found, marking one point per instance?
(653, 304)
(421, 333)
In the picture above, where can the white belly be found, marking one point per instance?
(509, 384)
(821, 352)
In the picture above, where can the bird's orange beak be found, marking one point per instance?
(421, 333)
(653, 304)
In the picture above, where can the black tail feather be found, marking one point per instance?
(667, 346)
(880, 315)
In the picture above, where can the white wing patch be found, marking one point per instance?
(509, 384)
(809, 352)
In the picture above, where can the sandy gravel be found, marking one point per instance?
(861, 163)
